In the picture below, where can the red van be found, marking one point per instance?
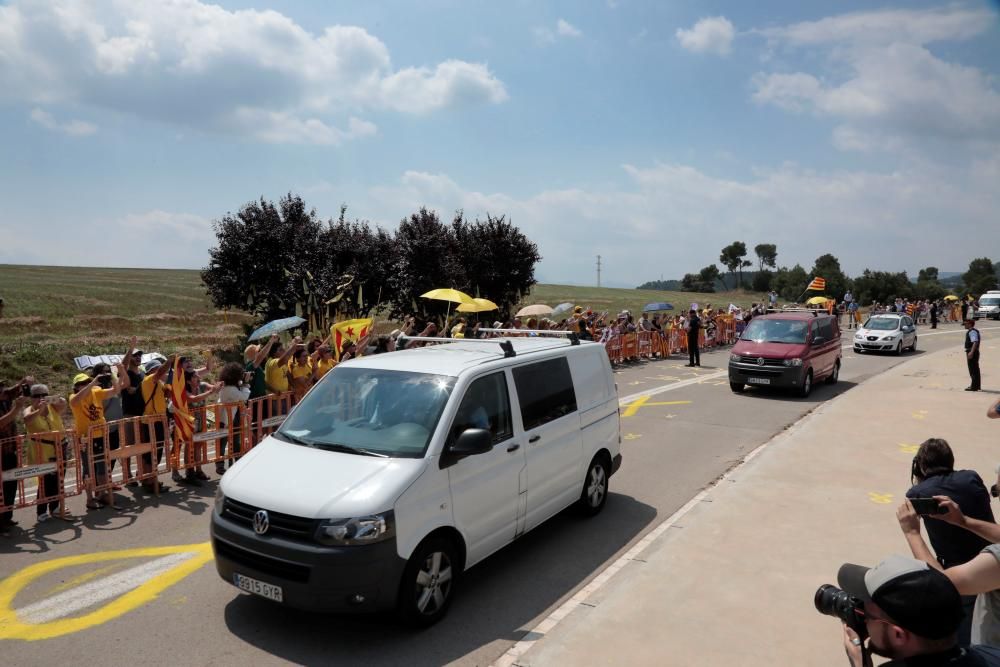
(793, 350)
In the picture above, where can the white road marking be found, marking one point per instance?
(95, 592)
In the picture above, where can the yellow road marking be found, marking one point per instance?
(907, 448)
(880, 498)
(11, 627)
(643, 401)
(632, 436)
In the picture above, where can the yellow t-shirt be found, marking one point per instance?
(157, 405)
(300, 370)
(324, 366)
(43, 450)
(89, 411)
(276, 376)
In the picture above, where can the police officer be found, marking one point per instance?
(972, 354)
(934, 314)
(694, 325)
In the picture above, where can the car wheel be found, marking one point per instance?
(913, 348)
(899, 348)
(835, 375)
(428, 584)
(807, 384)
(594, 494)
(737, 387)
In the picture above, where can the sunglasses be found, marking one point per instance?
(39, 395)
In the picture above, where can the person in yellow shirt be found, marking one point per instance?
(154, 399)
(300, 373)
(87, 404)
(46, 434)
(322, 360)
(276, 368)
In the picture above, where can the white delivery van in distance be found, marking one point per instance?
(399, 471)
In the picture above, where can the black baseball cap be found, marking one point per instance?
(914, 595)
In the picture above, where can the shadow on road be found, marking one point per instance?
(497, 601)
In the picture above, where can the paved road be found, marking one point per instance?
(687, 431)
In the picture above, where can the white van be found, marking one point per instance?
(989, 306)
(399, 471)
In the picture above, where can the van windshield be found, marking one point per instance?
(370, 412)
(989, 301)
(776, 331)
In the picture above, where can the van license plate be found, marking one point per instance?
(758, 380)
(265, 590)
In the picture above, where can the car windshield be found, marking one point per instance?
(882, 324)
(776, 331)
(989, 301)
(369, 412)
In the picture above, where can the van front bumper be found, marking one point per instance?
(783, 377)
(312, 576)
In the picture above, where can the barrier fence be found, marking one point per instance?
(673, 340)
(47, 468)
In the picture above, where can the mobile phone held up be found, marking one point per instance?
(925, 506)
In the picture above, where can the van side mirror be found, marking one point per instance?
(818, 340)
(472, 441)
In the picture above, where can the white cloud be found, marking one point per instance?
(565, 29)
(545, 35)
(673, 218)
(709, 35)
(881, 81)
(74, 128)
(202, 67)
(159, 224)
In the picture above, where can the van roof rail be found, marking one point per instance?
(574, 339)
(505, 345)
(814, 311)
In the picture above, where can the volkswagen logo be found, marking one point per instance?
(760, 361)
(261, 522)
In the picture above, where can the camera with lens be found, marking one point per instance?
(833, 601)
(104, 381)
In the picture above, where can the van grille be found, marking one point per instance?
(282, 525)
(261, 563)
(747, 359)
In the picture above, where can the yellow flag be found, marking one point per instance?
(353, 330)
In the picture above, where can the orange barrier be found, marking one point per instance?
(265, 415)
(672, 340)
(42, 457)
(143, 438)
(221, 433)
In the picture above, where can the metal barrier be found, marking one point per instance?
(45, 458)
(221, 433)
(265, 414)
(672, 340)
(143, 438)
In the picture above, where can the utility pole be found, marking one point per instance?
(598, 270)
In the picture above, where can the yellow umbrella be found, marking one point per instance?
(817, 301)
(951, 297)
(449, 295)
(478, 306)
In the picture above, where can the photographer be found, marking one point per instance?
(12, 400)
(906, 610)
(933, 474)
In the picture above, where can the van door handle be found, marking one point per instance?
(514, 447)
(534, 438)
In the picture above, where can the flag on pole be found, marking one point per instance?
(353, 330)
(818, 284)
(183, 421)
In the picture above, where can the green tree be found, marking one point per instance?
(928, 274)
(427, 258)
(731, 257)
(790, 283)
(882, 286)
(762, 281)
(980, 277)
(767, 255)
(707, 277)
(828, 267)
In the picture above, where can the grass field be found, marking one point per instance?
(53, 314)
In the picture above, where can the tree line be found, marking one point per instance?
(791, 282)
(278, 260)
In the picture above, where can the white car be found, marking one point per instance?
(890, 332)
(399, 471)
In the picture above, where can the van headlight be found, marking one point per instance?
(220, 500)
(359, 530)
(735, 357)
(793, 362)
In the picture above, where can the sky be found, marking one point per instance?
(651, 133)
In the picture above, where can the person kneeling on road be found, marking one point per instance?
(906, 611)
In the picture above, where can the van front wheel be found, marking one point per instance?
(428, 583)
(595, 487)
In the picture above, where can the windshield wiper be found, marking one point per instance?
(294, 439)
(335, 447)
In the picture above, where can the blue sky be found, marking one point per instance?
(651, 133)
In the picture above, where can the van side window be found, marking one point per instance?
(486, 404)
(545, 390)
(825, 329)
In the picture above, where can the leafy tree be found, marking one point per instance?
(928, 274)
(662, 285)
(264, 253)
(703, 281)
(882, 286)
(767, 255)
(732, 258)
(827, 266)
(762, 280)
(427, 258)
(980, 277)
(790, 283)
(480, 244)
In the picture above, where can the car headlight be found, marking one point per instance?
(220, 499)
(858, 336)
(734, 357)
(359, 530)
(793, 362)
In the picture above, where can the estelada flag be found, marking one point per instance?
(354, 330)
(183, 420)
(818, 284)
